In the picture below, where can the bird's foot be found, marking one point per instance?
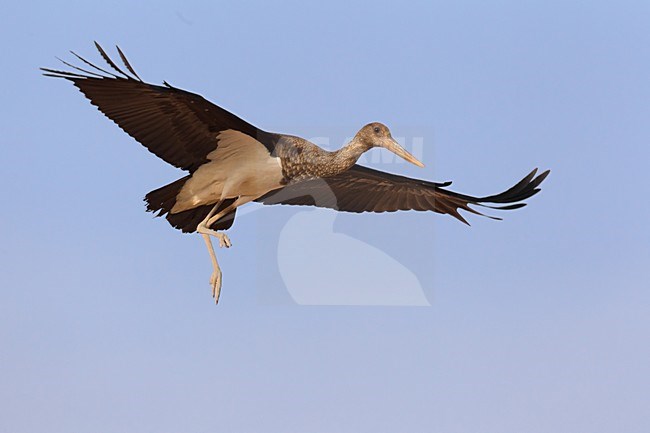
(224, 240)
(215, 282)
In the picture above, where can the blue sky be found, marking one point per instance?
(537, 323)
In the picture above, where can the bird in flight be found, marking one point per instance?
(230, 162)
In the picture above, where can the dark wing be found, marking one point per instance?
(363, 189)
(177, 126)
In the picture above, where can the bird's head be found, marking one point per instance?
(378, 135)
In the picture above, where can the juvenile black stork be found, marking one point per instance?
(230, 162)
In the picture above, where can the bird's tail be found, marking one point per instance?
(163, 199)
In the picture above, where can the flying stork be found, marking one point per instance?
(231, 162)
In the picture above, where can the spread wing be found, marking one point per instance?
(177, 126)
(363, 189)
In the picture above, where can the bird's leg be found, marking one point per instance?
(215, 279)
(204, 226)
(204, 229)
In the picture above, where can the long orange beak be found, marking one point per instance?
(398, 150)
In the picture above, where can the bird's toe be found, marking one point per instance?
(215, 282)
(224, 241)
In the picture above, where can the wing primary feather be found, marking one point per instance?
(539, 179)
(61, 74)
(80, 69)
(511, 192)
(523, 193)
(508, 207)
(109, 61)
(458, 216)
(127, 64)
(93, 65)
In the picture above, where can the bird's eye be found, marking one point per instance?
(376, 129)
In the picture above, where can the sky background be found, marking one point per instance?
(538, 323)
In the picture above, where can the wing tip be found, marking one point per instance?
(101, 72)
(511, 199)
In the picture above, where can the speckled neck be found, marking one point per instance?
(348, 155)
(301, 160)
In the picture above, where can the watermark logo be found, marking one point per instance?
(319, 266)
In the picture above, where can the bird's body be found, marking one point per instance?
(231, 162)
(239, 166)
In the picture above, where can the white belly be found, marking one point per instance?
(240, 166)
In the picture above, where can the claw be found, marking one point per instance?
(224, 240)
(215, 282)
